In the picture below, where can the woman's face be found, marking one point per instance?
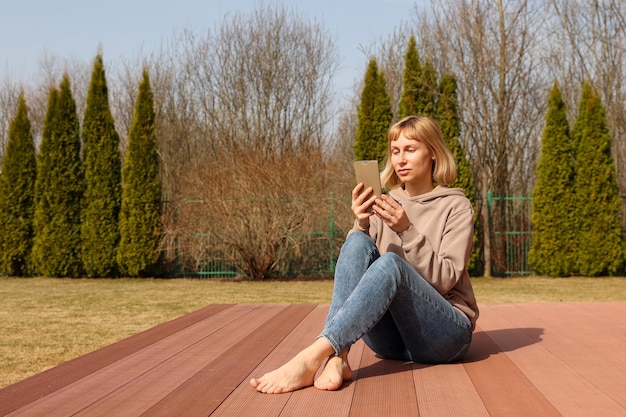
(412, 161)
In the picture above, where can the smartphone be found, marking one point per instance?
(367, 173)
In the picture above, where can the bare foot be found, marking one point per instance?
(337, 371)
(298, 373)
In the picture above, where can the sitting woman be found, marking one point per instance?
(401, 281)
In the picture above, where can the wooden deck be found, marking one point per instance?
(526, 360)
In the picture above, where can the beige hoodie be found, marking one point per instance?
(437, 244)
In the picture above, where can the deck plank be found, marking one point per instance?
(559, 382)
(588, 344)
(504, 389)
(432, 383)
(606, 316)
(160, 379)
(30, 389)
(576, 371)
(384, 388)
(245, 400)
(307, 402)
(132, 370)
(526, 359)
(227, 371)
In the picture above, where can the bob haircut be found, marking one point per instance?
(428, 132)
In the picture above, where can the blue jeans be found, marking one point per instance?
(399, 315)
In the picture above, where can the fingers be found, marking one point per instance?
(362, 200)
(388, 204)
(392, 213)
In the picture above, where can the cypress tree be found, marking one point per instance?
(419, 85)
(600, 245)
(554, 197)
(140, 216)
(17, 189)
(448, 119)
(59, 188)
(374, 116)
(410, 81)
(42, 215)
(426, 105)
(103, 193)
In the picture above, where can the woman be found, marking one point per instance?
(401, 280)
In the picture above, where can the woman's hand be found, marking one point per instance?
(362, 201)
(392, 213)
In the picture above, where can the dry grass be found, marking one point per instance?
(44, 322)
(549, 290)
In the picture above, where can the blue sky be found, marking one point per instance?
(30, 29)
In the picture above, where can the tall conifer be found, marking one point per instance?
(426, 105)
(103, 193)
(419, 85)
(448, 118)
(17, 189)
(140, 217)
(59, 188)
(600, 245)
(411, 77)
(553, 198)
(374, 116)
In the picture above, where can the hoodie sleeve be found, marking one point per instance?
(445, 267)
(371, 230)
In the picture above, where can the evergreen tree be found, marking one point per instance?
(410, 81)
(140, 216)
(419, 85)
(448, 119)
(554, 198)
(59, 188)
(426, 105)
(17, 189)
(103, 193)
(374, 116)
(600, 245)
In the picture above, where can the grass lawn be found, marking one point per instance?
(44, 321)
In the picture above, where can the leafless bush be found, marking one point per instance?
(255, 211)
(244, 116)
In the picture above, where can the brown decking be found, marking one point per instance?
(526, 360)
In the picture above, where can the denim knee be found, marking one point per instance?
(359, 240)
(359, 247)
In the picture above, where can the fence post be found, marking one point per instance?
(332, 235)
(487, 236)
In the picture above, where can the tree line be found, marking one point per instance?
(576, 205)
(250, 138)
(72, 209)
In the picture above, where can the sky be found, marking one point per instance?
(76, 29)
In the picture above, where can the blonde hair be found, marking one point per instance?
(428, 132)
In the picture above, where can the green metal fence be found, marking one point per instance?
(509, 223)
(216, 265)
(204, 255)
(511, 233)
